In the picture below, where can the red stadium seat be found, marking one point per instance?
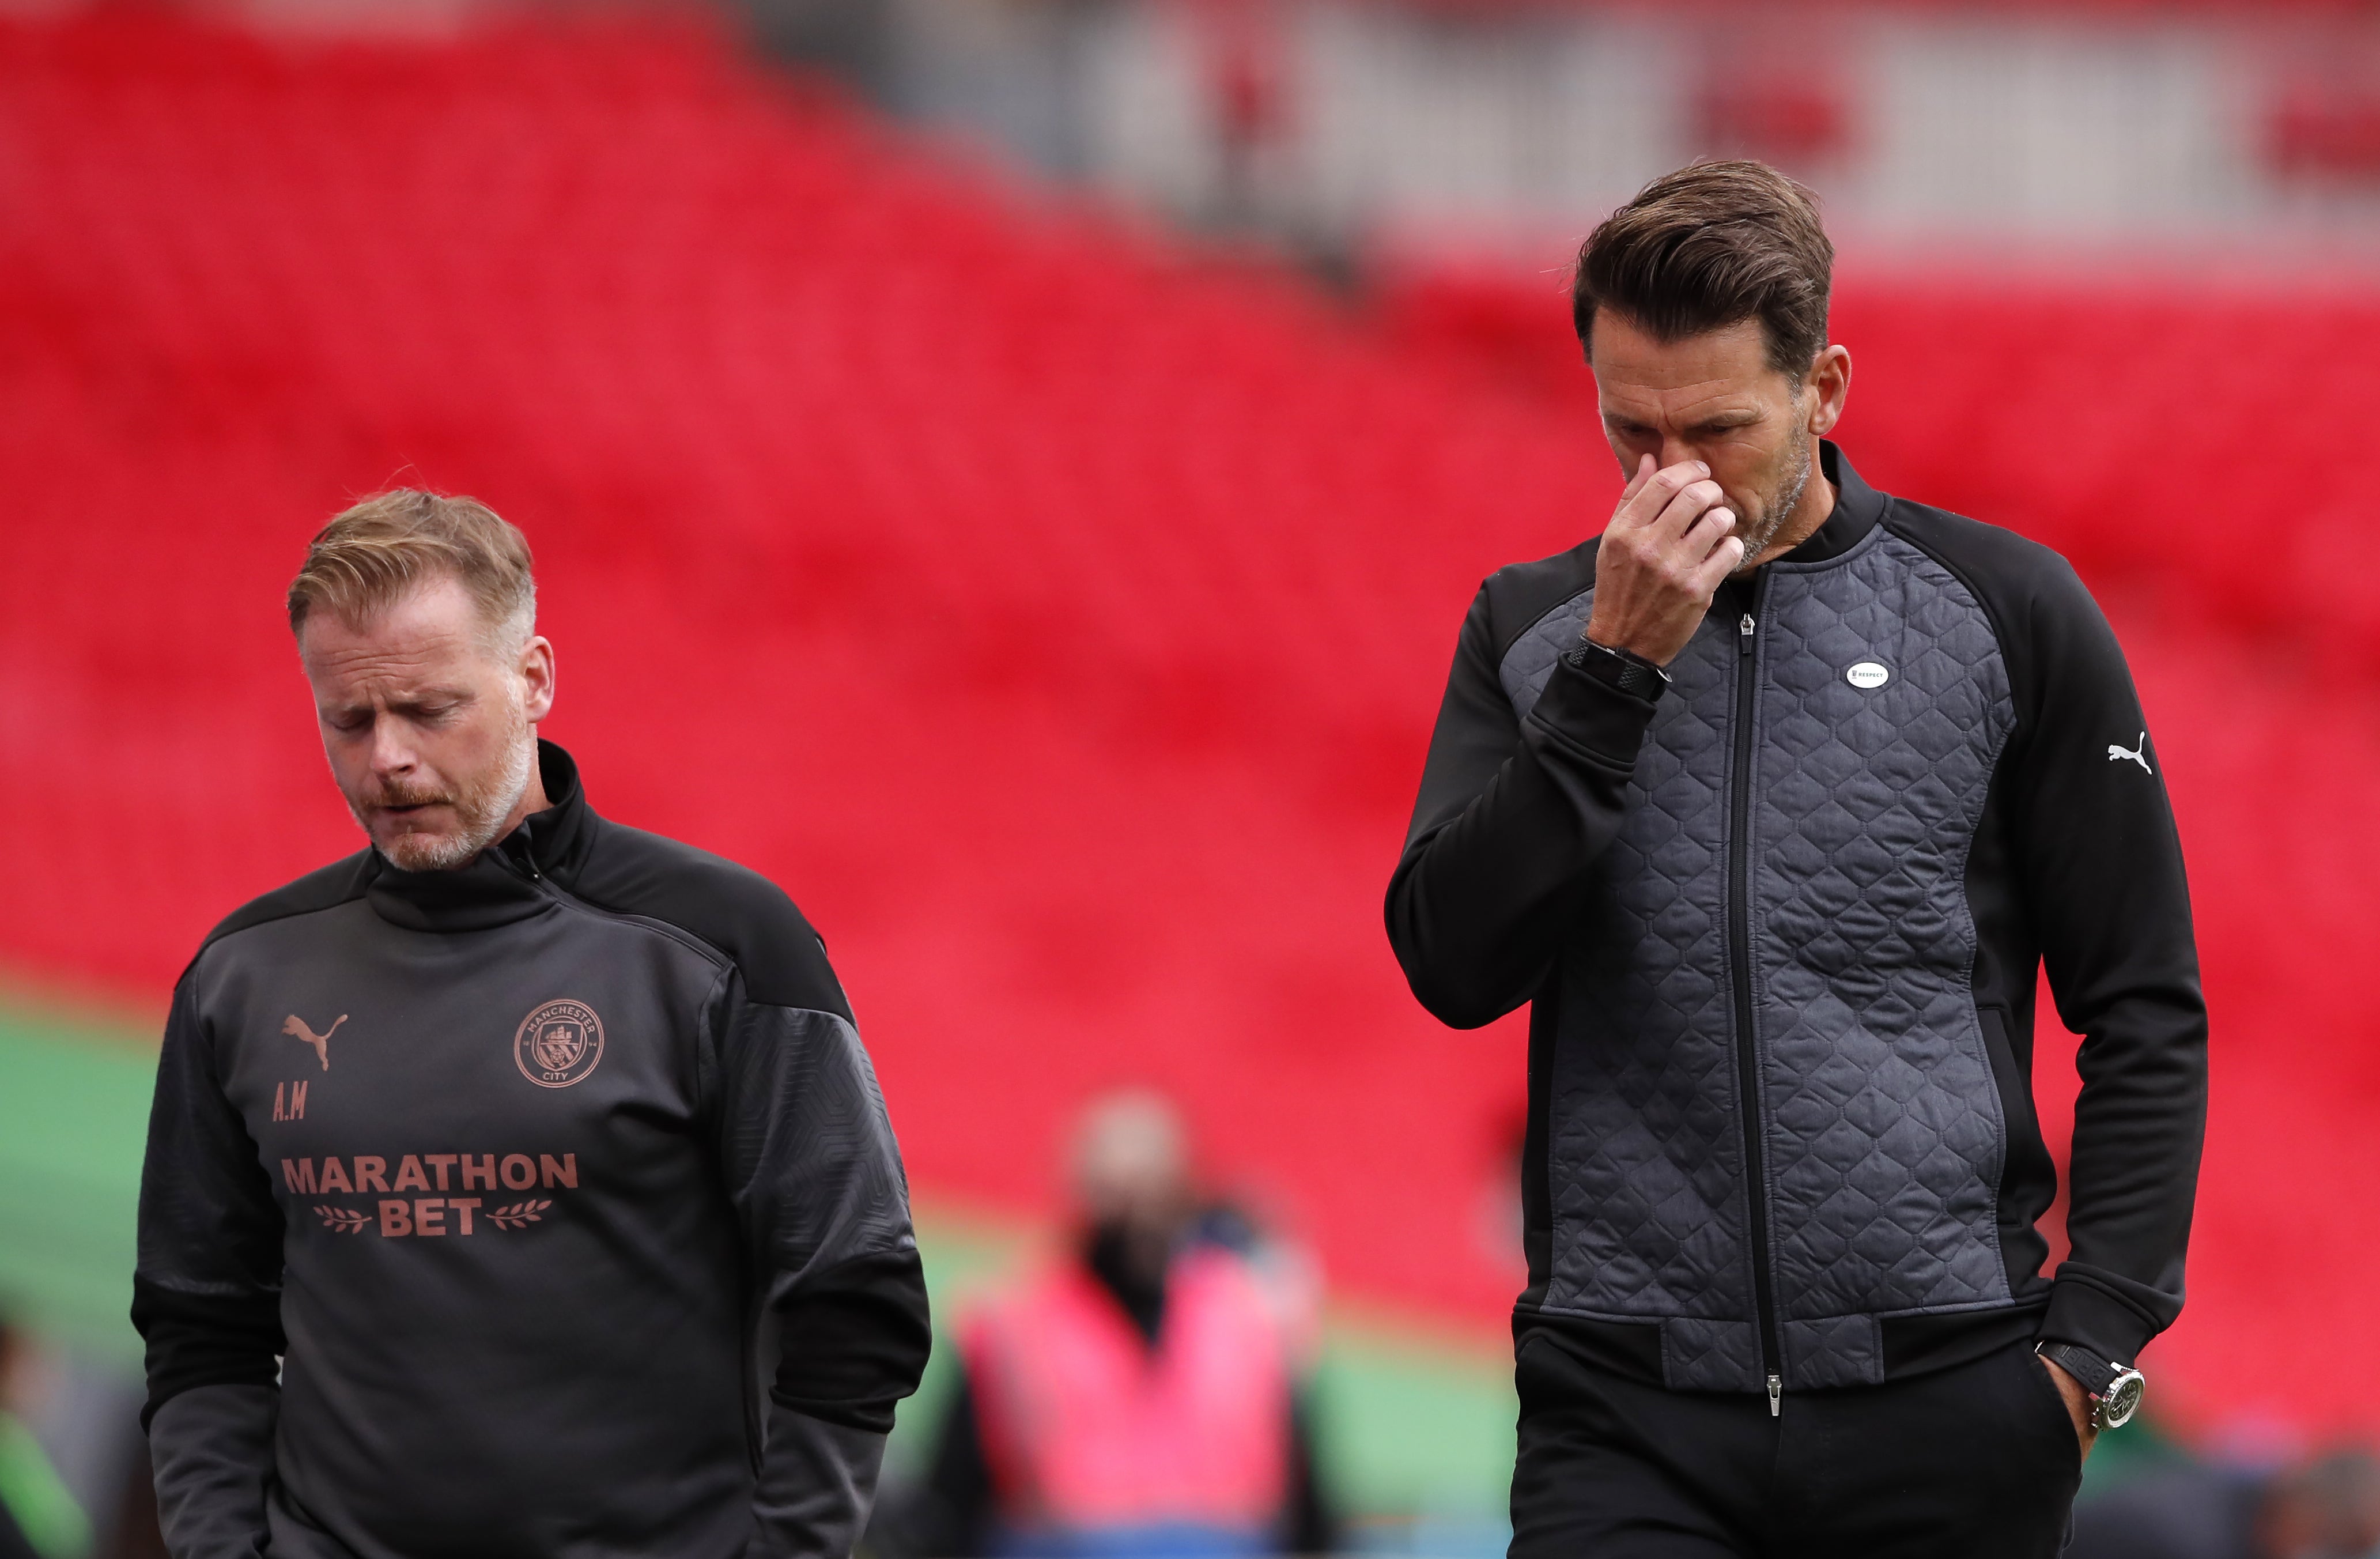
(1056, 610)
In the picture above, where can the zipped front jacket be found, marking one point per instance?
(561, 1187)
(1779, 928)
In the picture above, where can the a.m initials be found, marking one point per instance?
(289, 1101)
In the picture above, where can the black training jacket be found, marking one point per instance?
(1779, 928)
(528, 1170)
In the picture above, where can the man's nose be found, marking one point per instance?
(1676, 451)
(392, 751)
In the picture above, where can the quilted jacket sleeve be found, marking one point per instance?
(1512, 815)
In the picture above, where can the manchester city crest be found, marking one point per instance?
(558, 1044)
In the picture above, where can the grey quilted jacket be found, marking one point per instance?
(1780, 928)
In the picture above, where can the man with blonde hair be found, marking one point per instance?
(486, 1163)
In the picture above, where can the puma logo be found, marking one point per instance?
(295, 1027)
(2116, 754)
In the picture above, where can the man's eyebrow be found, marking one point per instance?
(421, 696)
(415, 699)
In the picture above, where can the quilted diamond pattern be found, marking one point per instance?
(1880, 1124)
(1884, 1137)
(1646, 1153)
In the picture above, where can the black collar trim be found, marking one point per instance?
(1858, 509)
(502, 883)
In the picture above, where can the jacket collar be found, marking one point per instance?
(1858, 507)
(502, 883)
(556, 840)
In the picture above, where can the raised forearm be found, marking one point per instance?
(1479, 904)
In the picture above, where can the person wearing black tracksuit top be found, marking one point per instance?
(519, 1185)
(509, 1164)
(1778, 914)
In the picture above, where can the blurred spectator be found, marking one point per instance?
(1140, 1396)
(2185, 1510)
(38, 1518)
(2326, 1508)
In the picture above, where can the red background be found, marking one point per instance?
(1059, 612)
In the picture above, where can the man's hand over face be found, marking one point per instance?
(1669, 544)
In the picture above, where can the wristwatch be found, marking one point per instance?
(2114, 1389)
(1630, 673)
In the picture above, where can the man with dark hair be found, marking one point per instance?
(487, 1164)
(1771, 800)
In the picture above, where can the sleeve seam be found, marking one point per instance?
(1572, 745)
(1503, 649)
(218, 934)
(201, 1380)
(2085, 1280)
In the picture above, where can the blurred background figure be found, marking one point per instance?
(2327, 1506)
(39, 1518)
(1141, 1394)
(2328, 1509)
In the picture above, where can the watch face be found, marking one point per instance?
(2123, 1399)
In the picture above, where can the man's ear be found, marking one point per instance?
(537, 673)
(1826, 387)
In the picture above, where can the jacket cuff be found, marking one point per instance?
(2083, 1313)
(211, 1455)
(1585, 711)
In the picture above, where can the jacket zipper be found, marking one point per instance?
(1738, 912)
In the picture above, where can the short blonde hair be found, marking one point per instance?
(375, 553)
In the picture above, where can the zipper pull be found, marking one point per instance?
(1743, 635)
(1776, 1382)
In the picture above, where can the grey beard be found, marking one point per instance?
(1788, 499)
(481, 812)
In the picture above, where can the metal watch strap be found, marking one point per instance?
(1632, 674)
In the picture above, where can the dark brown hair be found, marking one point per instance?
(1708, 247)
(375, 552)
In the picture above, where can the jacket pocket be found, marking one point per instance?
(2024, 1157)
(2066, 1439)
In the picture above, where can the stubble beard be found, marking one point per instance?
(1782, 503)
(480, 808)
